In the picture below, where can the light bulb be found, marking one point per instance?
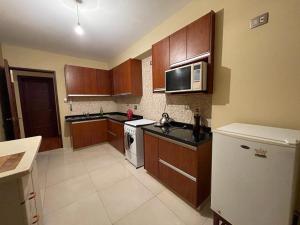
(79, 30)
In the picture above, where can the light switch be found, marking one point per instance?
(259, 20)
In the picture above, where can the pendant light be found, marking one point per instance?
(78, 29)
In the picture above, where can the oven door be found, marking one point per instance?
(179, 79)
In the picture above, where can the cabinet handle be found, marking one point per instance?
(36, 219)
(113, 134)
(32, 195)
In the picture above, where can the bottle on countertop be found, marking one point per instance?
(197, 129)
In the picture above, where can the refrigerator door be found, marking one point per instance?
(252, 183)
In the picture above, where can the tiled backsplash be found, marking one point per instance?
(150, 105)
(92, 105)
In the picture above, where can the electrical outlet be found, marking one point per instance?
(259, 20)
(186, 107)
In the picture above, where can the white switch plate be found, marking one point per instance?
(259, 20)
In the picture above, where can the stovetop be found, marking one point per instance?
(181, 132)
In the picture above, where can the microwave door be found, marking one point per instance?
(179, 80)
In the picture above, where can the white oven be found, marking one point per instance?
(133, 141)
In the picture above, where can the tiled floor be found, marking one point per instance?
(97, 186)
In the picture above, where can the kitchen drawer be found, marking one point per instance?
(181, 184)
(181, 157)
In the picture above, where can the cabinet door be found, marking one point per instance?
(98, 131)
(151, 154)
(104, 82)
(90, 81)
(116, 135)
(198, 36)
(182, 185)
(160, 63)
(178, 156)
(125, 78)
(80, 80)
(116, 80)
(120, 137)
(88, 133)
(178, 46)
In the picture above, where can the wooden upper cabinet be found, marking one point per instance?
(87, 81)
(160, 63)
(104, 82)
(199, 36)
(178, 46)
(127, 78)
(81, 80)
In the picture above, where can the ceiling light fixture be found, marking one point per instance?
(78, 29)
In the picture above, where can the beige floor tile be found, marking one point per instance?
(152, 184)
(124, 197)
(114, 152)
(92, 152)
(107, 176)
(186, 213)
(209, 221)
(86, 211)
(62, 158)
(104, 160)
(146, 179)
(152, 212)
(42, 162)
(65, 193)
(62, 173)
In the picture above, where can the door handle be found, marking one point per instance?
(9, 119)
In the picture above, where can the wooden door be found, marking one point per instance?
(198, 36)
(178, 46)
(39, 112)
(104, 80)
(10, 115)
(160, 63)
(151, 154)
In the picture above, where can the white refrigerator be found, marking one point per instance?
(254, 174)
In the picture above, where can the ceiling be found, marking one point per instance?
(110, 26)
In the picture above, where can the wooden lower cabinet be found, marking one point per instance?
(179, 183)
(186, 170)
(115, 134)
(86, 133)
(151, 154)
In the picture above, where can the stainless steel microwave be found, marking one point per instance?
(192, 77)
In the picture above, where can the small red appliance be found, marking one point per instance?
(129, 114)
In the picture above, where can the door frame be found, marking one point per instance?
(12, 101)
(52, 74)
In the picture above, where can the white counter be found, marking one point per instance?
(28, 145)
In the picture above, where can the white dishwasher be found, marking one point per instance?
(254, 171)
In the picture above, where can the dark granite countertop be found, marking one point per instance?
(180, 132)
(116, 116)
